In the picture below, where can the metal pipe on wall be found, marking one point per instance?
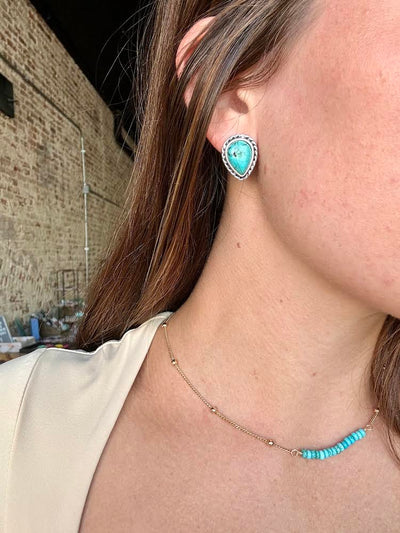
(86, 190)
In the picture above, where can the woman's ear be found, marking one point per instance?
(230, 114)
(187, 47)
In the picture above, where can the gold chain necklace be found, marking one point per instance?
(305, 453)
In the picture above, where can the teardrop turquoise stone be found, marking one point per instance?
(239, 156)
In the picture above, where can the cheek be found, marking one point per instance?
(332, 185)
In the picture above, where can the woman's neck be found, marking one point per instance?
(270, 342)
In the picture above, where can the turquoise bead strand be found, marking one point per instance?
(338, 448)
(324, 453)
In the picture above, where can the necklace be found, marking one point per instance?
(323, 453)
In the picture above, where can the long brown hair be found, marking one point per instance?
(178, 184)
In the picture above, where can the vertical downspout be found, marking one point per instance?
(85, 193)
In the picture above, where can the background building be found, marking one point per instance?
(42, 215)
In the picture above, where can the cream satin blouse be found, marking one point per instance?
(57, 410)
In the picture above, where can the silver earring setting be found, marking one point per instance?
(239, 154)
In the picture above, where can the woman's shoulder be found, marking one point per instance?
(50, 365)
(56, 374)
(58, 408)
(59, 371)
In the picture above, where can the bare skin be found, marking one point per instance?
(280, 329)
(172, 466)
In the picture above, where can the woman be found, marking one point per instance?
(269, 278)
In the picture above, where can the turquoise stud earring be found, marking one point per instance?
(239, 154)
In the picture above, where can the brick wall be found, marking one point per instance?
(41, 200)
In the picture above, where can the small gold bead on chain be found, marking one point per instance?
(271, 442)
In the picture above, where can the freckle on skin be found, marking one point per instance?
(314, 374)
(303, 197)
(382, 76)
(238, 244)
